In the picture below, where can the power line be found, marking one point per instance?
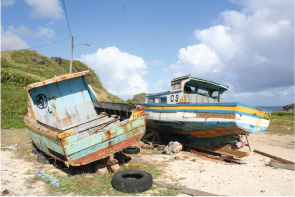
(66, 15)
(49, 43)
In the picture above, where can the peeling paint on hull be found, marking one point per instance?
(67, 122)
(192, 111)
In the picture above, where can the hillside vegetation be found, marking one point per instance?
(138, 98)
(22, 67)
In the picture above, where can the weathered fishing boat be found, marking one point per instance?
(193, 112)
(67, 122)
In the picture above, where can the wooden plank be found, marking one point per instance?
(207, 155)
(221, 158)
(281, 164)
(222, 150)
(184, 190)
(273, 157)
(212, 151)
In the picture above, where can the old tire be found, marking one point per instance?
(41, 158)
(131, 181)
(35, 151)
(131, 150)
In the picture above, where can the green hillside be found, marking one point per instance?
(23, 67)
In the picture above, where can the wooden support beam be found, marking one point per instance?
(207, 155)
(221, 158)
(248, 142)
(230, 151)
(184, 190)
(273, 157)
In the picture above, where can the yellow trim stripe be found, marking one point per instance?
(177, 79)
(229, 108)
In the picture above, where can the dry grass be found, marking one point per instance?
(281, 123)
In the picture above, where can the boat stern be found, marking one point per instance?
(252, 119)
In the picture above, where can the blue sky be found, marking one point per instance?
(140, 46)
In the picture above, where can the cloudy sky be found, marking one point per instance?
(140, 46)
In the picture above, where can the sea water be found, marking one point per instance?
(272, 108)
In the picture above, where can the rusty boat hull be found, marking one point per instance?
(193, 112)
(67, 122)
(205, 125)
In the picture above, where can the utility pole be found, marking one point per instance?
(72, 51)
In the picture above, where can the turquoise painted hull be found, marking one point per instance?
(77, 152)
(206, 124)
(66, 121)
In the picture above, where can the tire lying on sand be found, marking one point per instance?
(131, 181)
(131, 150)
(42, 158)
(35, 151)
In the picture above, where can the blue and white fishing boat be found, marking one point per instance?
(67, 122)
(193, 112)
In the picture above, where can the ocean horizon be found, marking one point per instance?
(272, 108)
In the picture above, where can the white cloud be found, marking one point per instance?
(196, 59)
(21, 30)
(253, 50)
(120, 72)
(7, 2)
(219, 36)
(46, 9)
(161, 85)
(10, 41)
(24, 30)
(43, 31)
(266, 97)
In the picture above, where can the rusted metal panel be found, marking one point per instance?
(63, 103)
(107, 147)
(63, 121)
(56, 79)
(102, 137)
(64, 135)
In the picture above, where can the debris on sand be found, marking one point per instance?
(173, 148)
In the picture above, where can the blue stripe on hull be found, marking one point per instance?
(251, 128)
(203, 111)
(204, 104)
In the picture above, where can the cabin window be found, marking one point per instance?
(203, 92)
(151, 100)
(215, 94)
(189, 89)
(163, 100)
(176, 86)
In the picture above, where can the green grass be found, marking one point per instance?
(146, 167)
(281, 123)
(165, 192)
(87, 184)
(13, 106)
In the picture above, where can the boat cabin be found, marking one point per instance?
(190, 89)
